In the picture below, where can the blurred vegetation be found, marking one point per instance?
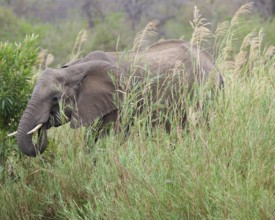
(15, 29)
(110, 22)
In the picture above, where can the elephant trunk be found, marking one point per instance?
(24, 140)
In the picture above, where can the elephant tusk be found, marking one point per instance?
(35, 129)
(12, 134)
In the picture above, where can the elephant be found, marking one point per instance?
(87, 86)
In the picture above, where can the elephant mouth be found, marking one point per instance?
(52, 122)
(55, 120)
(40, 139)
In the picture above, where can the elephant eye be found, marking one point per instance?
(55, 99)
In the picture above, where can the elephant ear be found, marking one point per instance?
(94, 98)
(70, 63)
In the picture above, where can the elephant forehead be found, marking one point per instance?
(50, 77)
(52, 74)
(46, 85)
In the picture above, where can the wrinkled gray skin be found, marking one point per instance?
(86, 91)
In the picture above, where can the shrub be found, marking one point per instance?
(17, 61)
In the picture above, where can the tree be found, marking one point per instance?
(92, 9)
(265, 7)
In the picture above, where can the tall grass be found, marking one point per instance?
(219, 168)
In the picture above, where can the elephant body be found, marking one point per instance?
(86, 87)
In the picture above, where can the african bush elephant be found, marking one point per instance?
(86, 87)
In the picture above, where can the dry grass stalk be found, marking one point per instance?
(143, 37)
(81, 38)
(256, 42)
(270, 51)
(242, 57)
(201, 33)
(243, 10)
(222, 29)
(49, 59)
(225, 36)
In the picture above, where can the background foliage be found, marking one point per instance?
(108, 20)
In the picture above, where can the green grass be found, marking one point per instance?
(222, 172)
(219, 168)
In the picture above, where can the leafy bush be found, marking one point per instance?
(17, 61)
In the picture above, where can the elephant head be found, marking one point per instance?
(85, 92)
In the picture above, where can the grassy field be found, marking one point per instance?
(219, 168)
